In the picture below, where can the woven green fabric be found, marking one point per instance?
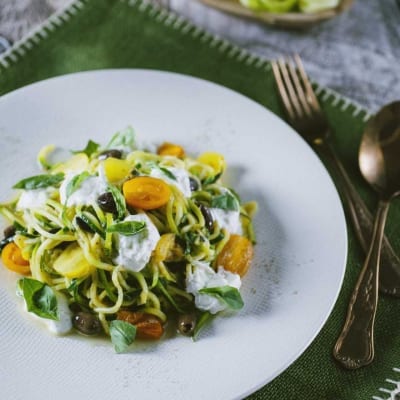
(95, 34)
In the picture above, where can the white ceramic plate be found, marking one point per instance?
(300, 255)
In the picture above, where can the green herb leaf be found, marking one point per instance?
(127, 228)
(21, 230)
(73, 290)
(168, 173)
(125, 139)
(212, 179)
(119, 201)
(39, 181)
(225, 201)
(122, 335)
(90, 148)
(92, 223)
(73, 287)
(204, 319)
(40, 298)
(75, 183)
(46, 262)
(228, 294)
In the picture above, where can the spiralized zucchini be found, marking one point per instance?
(73, 235)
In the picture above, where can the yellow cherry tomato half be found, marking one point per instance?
(115, 169)
(146, 193)
(215, 160)
(72, 263)
(236, 255)
(12, 258)
(171, 149)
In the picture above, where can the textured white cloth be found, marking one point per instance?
(355, 54)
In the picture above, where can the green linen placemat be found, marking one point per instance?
(94, 34)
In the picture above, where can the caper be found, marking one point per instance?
(106, 202)
(83, 225)
(86, 323)
(114, 153)
(194, 185)
(186, 324)
(208, 218)
(9, 231)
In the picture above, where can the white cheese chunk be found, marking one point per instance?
(181, 181)
(64, 323)
(36, 198)
(134, 251)
(88, 192)
(227, 219)
(203, 276)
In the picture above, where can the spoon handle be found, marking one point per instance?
(355, 345)
(389, 282)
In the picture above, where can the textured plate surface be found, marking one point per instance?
(300, 255)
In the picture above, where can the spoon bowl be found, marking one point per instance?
(379, 161)
(379, 155)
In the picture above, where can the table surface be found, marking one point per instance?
(355, 54)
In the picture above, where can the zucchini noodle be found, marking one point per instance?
(88, 237)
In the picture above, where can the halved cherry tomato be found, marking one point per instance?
(236, 255)
(170, 149)
(168, 249)
(72, 263)
(12, 258)
(146, 193)
(147, 326)
(215, 160)
(116, 169)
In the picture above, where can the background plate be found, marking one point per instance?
(290, 20)
(299, 261)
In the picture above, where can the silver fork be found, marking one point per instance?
(307, 118)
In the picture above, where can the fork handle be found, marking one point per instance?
(389, 277)
(355, 345)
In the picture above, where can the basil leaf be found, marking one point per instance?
(211, 179)
(39, 181)
(90, 148)
(122, 335)
(40, 298)
(75, 183)
(225, 201)
(23, 231)
(73, 290)
(119, 201)
(168, 173)
(46, 262)
(228, 294)
(91, 222)
(204, 319)
(124, 139)
(73, 287)
(127, 228)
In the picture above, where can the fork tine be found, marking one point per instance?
(310, 95)
(282, 89)
(289, 87)
(301, 95)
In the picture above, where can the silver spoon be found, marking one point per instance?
(379, 160)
